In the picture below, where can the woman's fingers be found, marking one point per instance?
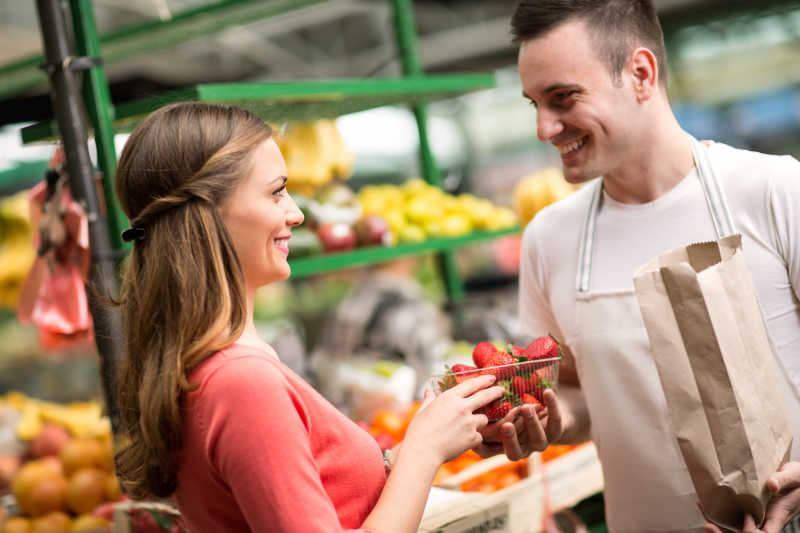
(483, 397)
(481, 421)
(471, 386)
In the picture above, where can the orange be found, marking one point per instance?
(82, 453)
(48, 494)
(87, 490)
(89, 522)
(29, 476)
(54, 522)
(113, 491)
(17, 524)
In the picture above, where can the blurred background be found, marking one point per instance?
(367, 337)
(734, 77)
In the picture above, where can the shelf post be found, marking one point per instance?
(97, 97)
(405, 32)
(102, 271)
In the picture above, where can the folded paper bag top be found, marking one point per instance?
(716, 364)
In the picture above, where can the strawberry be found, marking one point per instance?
(519, 385)
(461, 378)
(495, 410)
(530, 398)
(499, 359)
(542, 348)
(481, 352)
(517, 352)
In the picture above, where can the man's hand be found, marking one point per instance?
(784, 505)
(524, 430)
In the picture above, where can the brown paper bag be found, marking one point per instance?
(717, 368)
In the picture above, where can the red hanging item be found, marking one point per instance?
(54, 294)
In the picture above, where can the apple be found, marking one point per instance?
(336, 237)
(372, 229)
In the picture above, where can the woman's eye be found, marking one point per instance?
(279, 191)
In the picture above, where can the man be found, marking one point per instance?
(596, 73)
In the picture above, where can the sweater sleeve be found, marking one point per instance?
(257, 439)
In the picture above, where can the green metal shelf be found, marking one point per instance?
(296, 101)
(139, 40)
(306, 266)
(23, 175)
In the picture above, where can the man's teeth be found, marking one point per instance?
(282, 242)
(567, 148)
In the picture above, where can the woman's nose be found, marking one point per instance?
(294, 217)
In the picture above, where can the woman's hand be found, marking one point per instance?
(445, 425)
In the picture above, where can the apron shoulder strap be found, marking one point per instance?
(715, 200)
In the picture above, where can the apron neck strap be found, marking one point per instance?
(715, 201)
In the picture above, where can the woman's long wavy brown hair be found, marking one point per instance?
(182, 293)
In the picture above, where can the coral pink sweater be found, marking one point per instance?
(263, 451)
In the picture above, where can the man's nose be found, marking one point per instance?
(548, 125)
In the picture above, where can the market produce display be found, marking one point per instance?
(337, 219)
(536, 191)
(16, 247)
(524, 373)
(416, 211)
(58, 464)
(315, 154)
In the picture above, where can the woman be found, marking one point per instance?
(210, 415)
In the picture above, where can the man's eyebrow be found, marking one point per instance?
(561, 86)
(555, 87)
(283, 179)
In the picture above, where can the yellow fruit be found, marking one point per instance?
(423, 209)
(456, 225)
(55, 522)
(502, 218)
(17, 524)
(89, 522)
(82, 453)
(538, 190)
(31, 423)
(86, 490)
(411, 233)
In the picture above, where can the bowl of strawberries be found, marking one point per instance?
(524, 373)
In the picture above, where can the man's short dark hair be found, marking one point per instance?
(618, 27)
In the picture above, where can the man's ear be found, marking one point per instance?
(643, 68)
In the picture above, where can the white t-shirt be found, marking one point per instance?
(763, 194)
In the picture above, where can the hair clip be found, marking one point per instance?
(135, 233)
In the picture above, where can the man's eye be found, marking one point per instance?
(279, 191)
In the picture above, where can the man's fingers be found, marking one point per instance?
(483, 397)
(781, 509)
(749, 525)
(554, 421)
(488, 449)
(471, 386)
(508, 434)
(537, 438)
(787, 477)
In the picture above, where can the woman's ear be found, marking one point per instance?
(643, 68)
